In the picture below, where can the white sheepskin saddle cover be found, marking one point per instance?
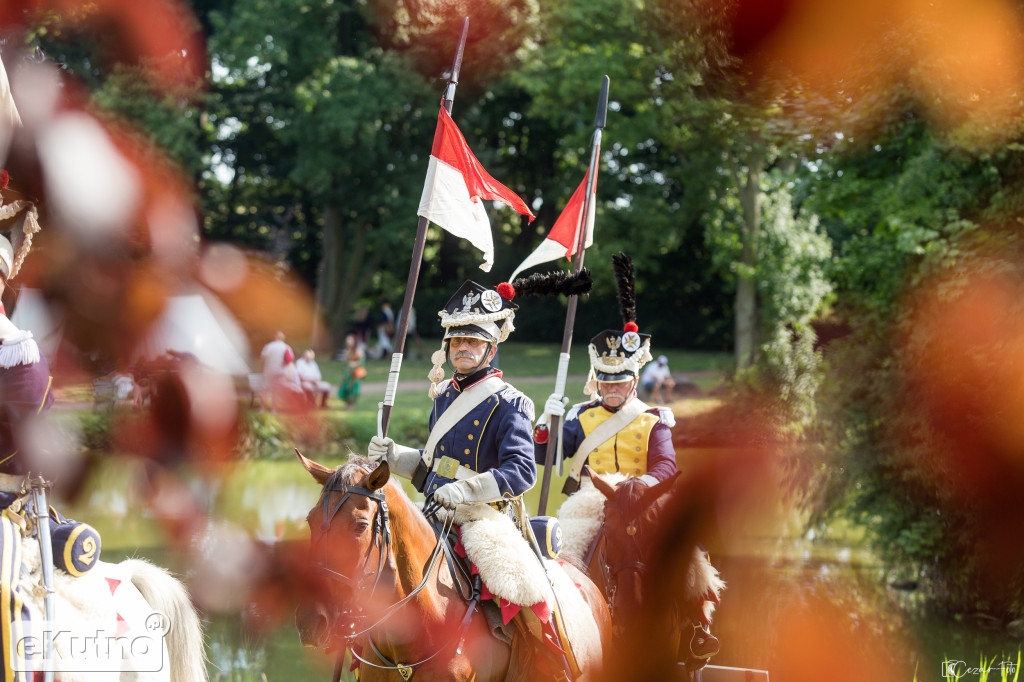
(582, 515)
(507, 565)
(511, 571)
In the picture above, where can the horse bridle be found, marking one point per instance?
(382, 539)
(638, 566)
(610, 573)
(381, 533)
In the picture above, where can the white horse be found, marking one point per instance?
(137, 604)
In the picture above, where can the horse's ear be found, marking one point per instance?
(318, 471)
(605, 488)
(379, 477)
(660, 488)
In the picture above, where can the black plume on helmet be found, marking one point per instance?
(555, 283)
(622, 265)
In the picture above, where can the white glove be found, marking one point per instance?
(380, 448)
(449, 495)
(555, 406)
(402, 460)
(480, 488)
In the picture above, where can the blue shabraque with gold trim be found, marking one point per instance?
(76, 547)
(548, 532)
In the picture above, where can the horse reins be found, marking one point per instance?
(382, 539)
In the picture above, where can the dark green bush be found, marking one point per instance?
(95, 430)
(327, 435)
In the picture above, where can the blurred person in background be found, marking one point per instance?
(311, 380)
(385, 330)
(658, 376)
(413, 332)
(361, 322)
(275, 357)
(355, 371)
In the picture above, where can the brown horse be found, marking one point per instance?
(620, 555)
(392, 598)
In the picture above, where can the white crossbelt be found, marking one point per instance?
(605, 431)
(459, 408)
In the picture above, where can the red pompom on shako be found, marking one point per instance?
(630, 327)
(4, 178)
(506, 291)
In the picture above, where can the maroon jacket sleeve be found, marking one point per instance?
(661, 454)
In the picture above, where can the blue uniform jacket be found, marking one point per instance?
(660, 452)
(25, 391)
(496, 436)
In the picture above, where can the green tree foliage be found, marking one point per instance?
(907, 209)
(734, 129)
(651, 193)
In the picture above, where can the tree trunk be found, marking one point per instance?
(748, 182)
(345, 271)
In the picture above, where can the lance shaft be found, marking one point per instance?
(417, 259)
(570, 313)
(384, 414)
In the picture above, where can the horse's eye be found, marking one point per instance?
(360, 527)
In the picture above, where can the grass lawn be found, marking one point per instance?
(531, 360)
(529, 367)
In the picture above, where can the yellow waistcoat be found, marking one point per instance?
(626, 451)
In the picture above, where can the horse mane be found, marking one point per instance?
(348, 472)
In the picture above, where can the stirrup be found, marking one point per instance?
(703, 644)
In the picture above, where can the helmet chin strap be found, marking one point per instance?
(480, 365)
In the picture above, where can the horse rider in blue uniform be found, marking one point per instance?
(480, 447)
(486, 456)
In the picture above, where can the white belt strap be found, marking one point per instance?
(459, 408)
(605, 431)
